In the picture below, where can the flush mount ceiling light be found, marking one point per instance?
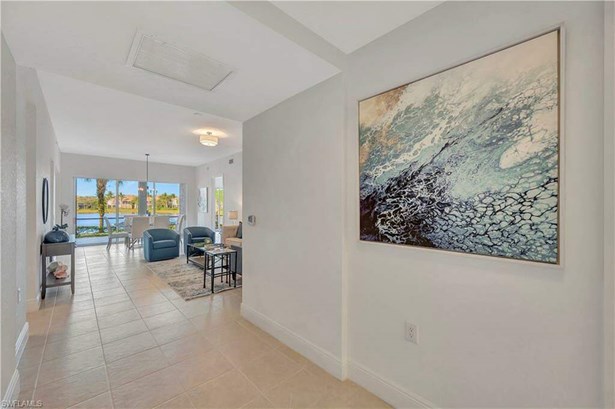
(154, 55)
(208, 139)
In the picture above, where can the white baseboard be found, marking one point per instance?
(12, 391)
(33, 304)
(387, 391)
(22, 340)
(313, 352)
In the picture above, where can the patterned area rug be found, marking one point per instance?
(187, 279)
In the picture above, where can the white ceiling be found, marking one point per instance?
(90, 41)
(101, 106)
(349, 25)
(94, 120)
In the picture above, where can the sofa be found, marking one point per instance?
(197, 234)
(232, 236)
(160, 244)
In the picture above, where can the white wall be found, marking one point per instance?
(86, 166)
(493, 333)
(42, 160)
(609, 205)
(8, 214)
(232, 174)
(293, 174)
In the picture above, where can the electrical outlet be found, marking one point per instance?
(412, 333)
(18, 295)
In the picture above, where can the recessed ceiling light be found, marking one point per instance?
(208, 139)
(154, 55)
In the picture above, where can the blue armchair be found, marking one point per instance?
(196, 234)
(160, 244)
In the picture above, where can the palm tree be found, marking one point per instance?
(101, 188)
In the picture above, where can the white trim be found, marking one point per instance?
(22, 340)
(33, 304)
(313, 352)
(386, 390)
(12, 391)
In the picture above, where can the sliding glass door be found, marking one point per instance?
(94, 200)
(97, 199)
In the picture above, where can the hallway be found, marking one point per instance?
(127, 340)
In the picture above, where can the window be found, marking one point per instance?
(97, 199)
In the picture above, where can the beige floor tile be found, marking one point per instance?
(128, 346)
(155, 309)
(259, 403)
(25, 394)
(228, 333)
(231, 390)
(123, 317)
(148, 391)
(269, 370)
(122, 331)
(102, 311)
(69, 365)
(72, 345)
(173, 332)
(102, 401)
(180, 402)
(201, 368)
(71, 329)
(108, 293)
(166, 318)
(213, 319)
(185, 348)
(294, 355)
(70, 391)
(149, 300)
(253, 368)
(364, 399)
(244, 349)
(32, 356)
(302, 390)
(113, 299)
(135, 366)
(27, 377)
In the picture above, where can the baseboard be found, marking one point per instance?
(33, 304)
(387, 391)
(12, 391)
(22, 340)
(313, 352)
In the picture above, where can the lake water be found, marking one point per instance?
(91, 219)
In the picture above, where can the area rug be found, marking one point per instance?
(187, 279)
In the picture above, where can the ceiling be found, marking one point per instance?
(90, 41)
(90, 119)
(349, 25)
(99, 105)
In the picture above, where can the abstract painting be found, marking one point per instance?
(467, 160)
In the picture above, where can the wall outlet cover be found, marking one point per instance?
(411, 333)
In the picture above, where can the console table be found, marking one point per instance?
(57, 249)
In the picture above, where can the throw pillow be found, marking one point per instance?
(239, 233)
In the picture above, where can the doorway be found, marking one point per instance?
(218, 203)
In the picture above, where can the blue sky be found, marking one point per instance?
(88, 187)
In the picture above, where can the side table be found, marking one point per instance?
(57, 249)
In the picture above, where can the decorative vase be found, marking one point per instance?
(56, 236)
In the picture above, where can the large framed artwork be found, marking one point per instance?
(467, 160)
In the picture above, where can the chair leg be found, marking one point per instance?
(109, 243)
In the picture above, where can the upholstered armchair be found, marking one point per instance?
(160, 244)
(197, 234)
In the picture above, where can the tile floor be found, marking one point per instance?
(127, 340)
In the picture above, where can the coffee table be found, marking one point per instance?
(216, 262)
